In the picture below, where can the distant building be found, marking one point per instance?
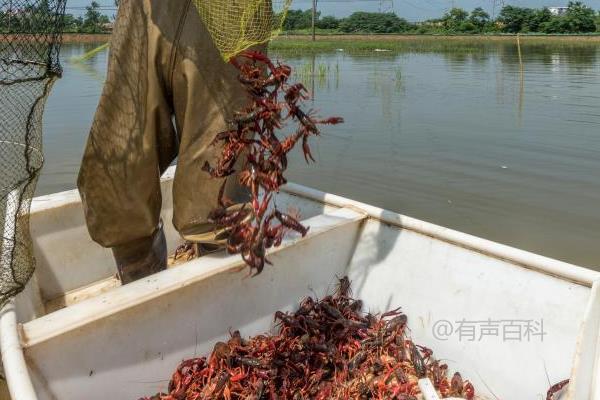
(558, 10)
(108, 27)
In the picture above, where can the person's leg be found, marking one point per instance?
(132, 141)
(140, 258)
(206, 93)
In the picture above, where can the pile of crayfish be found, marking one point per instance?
(326, 349)
(255, 145)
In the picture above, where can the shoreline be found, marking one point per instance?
(97, 38)
(360, 43)
(85, 38)
(444, 37)
(66, 37)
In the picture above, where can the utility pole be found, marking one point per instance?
(386, 6)
(9, 14)
(314, 20)
(497, 4)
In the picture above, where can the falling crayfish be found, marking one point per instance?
(258, 226)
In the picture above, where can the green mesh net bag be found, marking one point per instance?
(236, 25)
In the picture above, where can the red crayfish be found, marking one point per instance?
(253, 137)
(327, 349)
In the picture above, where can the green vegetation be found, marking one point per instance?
(298, 19)
(21, 20)
(29, 18)
(374, 23)
(456, 45)
(319, 74)
(578, 19)
(94, 21)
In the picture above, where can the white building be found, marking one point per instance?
(558, 10)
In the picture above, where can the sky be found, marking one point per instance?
(414, 10)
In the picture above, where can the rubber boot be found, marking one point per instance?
(141, 258)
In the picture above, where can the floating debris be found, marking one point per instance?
(89, 54)
(327, 349)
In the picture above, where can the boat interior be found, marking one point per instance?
(80, 329)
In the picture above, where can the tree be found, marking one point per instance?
(94, 20)
(454, 18)
(516, 19)
(468, 27)
(298, 19)
(479, 18)
(540, 19)
(556, 24)
(72, 24)
(580, 18)
(328, 22)
(369, 22)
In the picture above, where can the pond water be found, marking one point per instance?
(459, 135)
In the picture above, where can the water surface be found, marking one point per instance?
(459, 135)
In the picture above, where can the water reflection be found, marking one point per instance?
(454, 133)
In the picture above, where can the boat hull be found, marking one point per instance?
(124, 342)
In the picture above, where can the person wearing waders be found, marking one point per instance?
(167, 94)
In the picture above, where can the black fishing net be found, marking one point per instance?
(30, 33)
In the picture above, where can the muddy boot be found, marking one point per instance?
(141, 258)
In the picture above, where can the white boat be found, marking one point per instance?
(76, 334)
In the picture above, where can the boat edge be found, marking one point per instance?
(523, 258)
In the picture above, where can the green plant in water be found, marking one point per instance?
(398, 73)
(322, 70)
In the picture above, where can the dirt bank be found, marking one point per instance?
(483, 38)
(84, 38)
(71, 38)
